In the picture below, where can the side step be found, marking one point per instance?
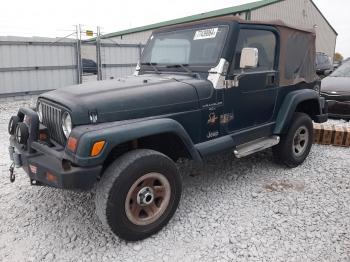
(255, 146)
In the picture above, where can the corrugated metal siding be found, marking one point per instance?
(300, 13)
(17, 53)
(135, 38)
(118, 61)
(88, 51)
(35, 81)
(142, 37)
(117, 72)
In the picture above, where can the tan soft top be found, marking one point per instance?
(297, 48)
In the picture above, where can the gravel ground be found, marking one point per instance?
(235, 210)
(339, 122)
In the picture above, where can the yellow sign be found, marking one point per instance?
(89, 33)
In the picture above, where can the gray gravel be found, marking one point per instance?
(234, 210)
(339, 122)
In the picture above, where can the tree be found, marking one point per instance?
(338, 57)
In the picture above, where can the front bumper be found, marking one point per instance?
(339, 109)
(338, 105)
(46, 166)
(44, 169)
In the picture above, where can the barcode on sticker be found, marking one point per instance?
(205, 33)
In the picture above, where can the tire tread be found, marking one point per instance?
(111, 176)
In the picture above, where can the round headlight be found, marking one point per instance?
(66, 124)
(39, 110)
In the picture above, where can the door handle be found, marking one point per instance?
(270, 80)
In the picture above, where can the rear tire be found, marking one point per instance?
(296, 144)
(138, 194)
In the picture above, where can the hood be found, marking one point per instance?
(335, 84)
(127, 98)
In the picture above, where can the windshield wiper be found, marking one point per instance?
(183, 66)
(153, 65)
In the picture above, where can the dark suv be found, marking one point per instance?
(200, 89)
(323, 64)
(89, 66)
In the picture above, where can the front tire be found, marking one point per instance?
(138, 194)
(296, 144)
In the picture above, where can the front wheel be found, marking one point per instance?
(296, 144)
(138, 194)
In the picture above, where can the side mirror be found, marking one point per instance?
(327, 72)
(249, 58)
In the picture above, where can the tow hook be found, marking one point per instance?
(12, 173)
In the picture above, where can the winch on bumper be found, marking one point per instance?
(44, 165)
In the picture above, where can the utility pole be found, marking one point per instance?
(98, 54)
(79, 64)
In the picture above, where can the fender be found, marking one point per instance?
(115, 133)
(289, 105)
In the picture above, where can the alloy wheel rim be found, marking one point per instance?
(147, 199)
(300, 141)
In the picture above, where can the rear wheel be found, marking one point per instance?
(138, 194)
(295, 146)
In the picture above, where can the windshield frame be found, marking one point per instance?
(207, 66)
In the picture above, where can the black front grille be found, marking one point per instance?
(52, 120)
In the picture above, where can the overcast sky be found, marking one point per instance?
(56, 18)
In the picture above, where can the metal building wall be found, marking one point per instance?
(119, 55)
(142, 37)
(133, 38)
(32, 65)
(119, 60)
(304, 14)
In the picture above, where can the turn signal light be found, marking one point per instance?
(97, 148)
(72, 143)
(51, 177)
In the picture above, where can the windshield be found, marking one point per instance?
(196, 46)
(342, 71)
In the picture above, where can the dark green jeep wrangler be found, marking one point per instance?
(200, 89)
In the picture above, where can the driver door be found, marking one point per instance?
(252, 102)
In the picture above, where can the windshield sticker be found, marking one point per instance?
(206, 33)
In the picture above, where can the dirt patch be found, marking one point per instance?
(284, 186)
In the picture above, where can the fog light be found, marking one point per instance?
(22, 133)
(14, 120)
(33, 169)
